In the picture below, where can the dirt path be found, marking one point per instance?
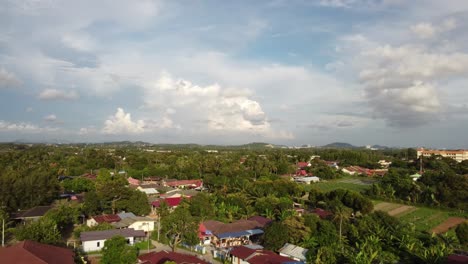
(449, 223)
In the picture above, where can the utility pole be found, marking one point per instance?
(3, 232)
(159, 225)
(421, 164)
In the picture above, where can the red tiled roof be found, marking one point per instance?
(242, 252)
(164, 256)
(269, 257)
(301, 173)
(31, 252)
(217, 227)
(457, 259)
(262, 221)
(171, 201)
(302, 164)
(189, 183)
(133, 181)
(259, 256)
(110, 218)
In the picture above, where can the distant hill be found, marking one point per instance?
(339, 145)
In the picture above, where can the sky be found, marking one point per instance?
(388, 72)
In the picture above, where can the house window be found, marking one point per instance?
(128, 241)
(98, 244)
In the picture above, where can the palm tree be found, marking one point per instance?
(341, 213)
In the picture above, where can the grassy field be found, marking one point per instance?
(349, 183)
(424, 219)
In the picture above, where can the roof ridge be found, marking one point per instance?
(27, 243)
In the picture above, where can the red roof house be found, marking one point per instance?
(170, 201)
(99, 219)
(262, 221)
(190, 184)
(31, 252)
(162, 257)
(457, 259)
(133, 181)
(301, 173)
(258, 256)
(302, 164)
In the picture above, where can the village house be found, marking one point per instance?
(32, 252)
(333, 164)
(357, 170)
(162, 257)
(99, 219)
(32, 214)
(94, 240)
(183, 184)
(307, 180)
(246, 255)
(133, 182)
(240, 232)
(150, 190)
(171, 202)
(292, 251)
(142, 223)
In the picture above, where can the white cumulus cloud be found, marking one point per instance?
(122, 123)
(50, 118)
(219, 109)
(8, 79)
(23, 127)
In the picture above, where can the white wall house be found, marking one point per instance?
(145, 225)
(94, 240)
(91, 222)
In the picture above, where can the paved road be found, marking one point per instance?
(207, 257)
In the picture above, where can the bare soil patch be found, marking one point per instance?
(449, 223)
(385, 207)
(402, 209)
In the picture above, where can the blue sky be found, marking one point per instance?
(389, 72)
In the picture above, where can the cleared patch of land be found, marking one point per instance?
(386, 207)
(357, 184)
(424, 219)
(451, 222)
(401, 210)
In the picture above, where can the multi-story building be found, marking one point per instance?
(458, 155)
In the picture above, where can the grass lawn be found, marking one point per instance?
(357, 184)
(143, 245)
(423, 218)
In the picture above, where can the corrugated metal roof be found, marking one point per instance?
(294, 251)
(106, 234)
(240, 233)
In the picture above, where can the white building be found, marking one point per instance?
(147, 190)
(144, 224)
(307, 180)
(94, 240)
(458, 155)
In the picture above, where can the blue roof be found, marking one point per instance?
(241, 233)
